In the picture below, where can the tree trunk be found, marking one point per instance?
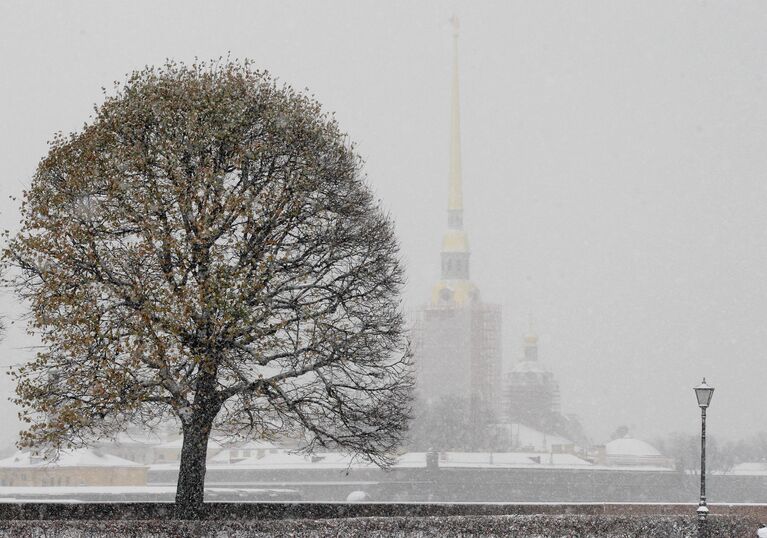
(190, 488)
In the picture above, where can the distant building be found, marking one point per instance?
(518, 437)
(82, 467)
(163, 445)
(134, 446)
(457, 337)
(251, 449)
(171, 451)
(531, 393)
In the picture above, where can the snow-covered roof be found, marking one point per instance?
(226, 455)
(292, 460)
(82, 457)
(525, 436)
(336, 460)
(255, 445)
(753, 468)
(417, 460)
(411, 460)
(630, 447)
(136, 438)
(508, 459)
(178, 443)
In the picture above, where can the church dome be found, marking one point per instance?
(635, 453)
(627, 446)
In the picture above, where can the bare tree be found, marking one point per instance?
(452, 423)
(684, 450)
(206, 249)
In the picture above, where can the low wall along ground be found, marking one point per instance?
(519, 526)
(376, 520)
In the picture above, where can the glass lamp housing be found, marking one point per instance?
(703, 393)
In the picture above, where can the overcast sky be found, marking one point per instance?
(615, 172)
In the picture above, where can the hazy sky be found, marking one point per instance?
(613, 155)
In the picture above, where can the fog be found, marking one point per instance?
(613, 166)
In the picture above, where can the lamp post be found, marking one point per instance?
(703, 393)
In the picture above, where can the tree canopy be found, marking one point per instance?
(206, 248)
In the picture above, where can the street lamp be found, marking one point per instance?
(703, 393)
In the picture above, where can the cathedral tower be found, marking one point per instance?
(457, 337)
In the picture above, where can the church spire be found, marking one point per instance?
(455, 194)
(455, 288)
(531, 341)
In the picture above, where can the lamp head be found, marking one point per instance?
(703, 393)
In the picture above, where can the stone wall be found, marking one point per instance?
(519, 526)
(279, 510)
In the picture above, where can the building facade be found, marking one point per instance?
(81, 467)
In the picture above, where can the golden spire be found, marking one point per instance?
(455, 288)
(455, 196)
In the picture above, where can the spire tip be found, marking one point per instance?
(454, 21)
